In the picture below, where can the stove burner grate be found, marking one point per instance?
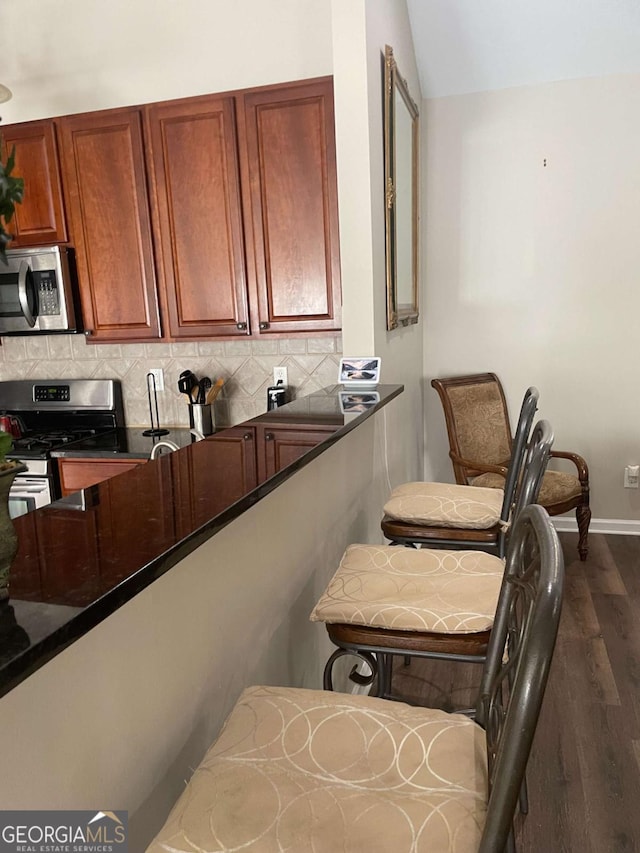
(51, 439)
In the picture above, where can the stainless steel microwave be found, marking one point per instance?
(36, 294)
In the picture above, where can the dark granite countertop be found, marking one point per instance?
(129, 442)
(81, 559)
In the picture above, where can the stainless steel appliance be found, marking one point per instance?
(36, 293)
(54, 414)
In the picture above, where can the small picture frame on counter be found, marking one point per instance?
(360, 372)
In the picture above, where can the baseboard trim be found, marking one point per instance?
(618, 526)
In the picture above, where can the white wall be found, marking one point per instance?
(123, 715)
(361, 28)
(81, 55)
(533, 271)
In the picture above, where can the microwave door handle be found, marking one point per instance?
(23, 296)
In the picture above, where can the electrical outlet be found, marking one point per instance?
(280, 375)
(158, 374)
(631, 476)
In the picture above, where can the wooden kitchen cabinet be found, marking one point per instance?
(71, 578)
(198, 218)
(76, 474)
(212, 216)
(24, 577)
(137, 523)
(220, 471)
(285, 222)
(279, 446)
(40, 219)
(287, 145)
(104, 179)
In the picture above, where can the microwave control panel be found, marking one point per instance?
(47, 289)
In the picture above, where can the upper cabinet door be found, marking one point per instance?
(197, 206)
(291, 209)
(107, 202)
(39, 220)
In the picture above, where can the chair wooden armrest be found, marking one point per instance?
(578, 461)
(483, 467)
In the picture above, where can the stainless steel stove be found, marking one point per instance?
(48, 415)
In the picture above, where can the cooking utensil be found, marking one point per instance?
(205, 385)
(184, 386)
(213, 392)
(186, 383)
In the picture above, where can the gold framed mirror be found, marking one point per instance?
(401, 119)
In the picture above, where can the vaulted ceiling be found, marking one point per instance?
(479, 45)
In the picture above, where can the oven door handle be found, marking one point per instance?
(25, 483)
(23, 294)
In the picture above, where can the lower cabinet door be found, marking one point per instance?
(69, 576)
(279, 446)
(220, 471)
(76, 474)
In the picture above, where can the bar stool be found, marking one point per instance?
(385, 601)
(303, 770)
(449, 515)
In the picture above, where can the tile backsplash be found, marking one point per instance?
(246, 366)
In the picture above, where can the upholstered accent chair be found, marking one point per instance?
(479, 433)
(446, 515)
(385, 601)
(301, 770)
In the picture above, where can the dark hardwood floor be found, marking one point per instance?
(584, 770)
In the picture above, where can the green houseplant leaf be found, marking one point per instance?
(11, 193)
(6, 442)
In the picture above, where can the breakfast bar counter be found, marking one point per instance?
(83, 558)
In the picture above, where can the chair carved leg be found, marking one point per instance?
(583, 516)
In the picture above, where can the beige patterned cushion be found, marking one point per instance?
(556, 486)
(480, 422)
(445, 505)
(384, 586)
(310, 771)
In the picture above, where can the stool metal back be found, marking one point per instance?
(517, 665)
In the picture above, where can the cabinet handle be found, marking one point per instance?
(241, 326)
(247, 436)
(268, 436)
(264, 325)
(88, 333)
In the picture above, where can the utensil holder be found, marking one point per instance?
(201, 418)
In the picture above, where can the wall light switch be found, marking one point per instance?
(631, 476)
